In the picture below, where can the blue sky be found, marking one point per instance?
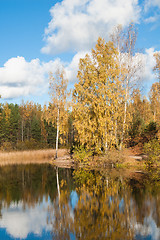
(37, 36)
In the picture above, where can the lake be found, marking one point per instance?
(40, 201)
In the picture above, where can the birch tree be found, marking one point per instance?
(57, 109)
(130, 64)
(97, 97)
(155, 93)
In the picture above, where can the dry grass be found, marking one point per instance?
(34, 156)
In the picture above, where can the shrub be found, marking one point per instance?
(6, 146)
(152, 149)
(150, 132)
(81, 155)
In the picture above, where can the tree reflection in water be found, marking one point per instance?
(104, 209)
(79, 204)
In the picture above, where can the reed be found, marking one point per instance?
(26, 157)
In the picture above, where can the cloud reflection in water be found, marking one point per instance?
(20, 222)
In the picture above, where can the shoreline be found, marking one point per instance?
(29, 156)
(124, 160)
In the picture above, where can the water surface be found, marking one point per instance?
(43, 202)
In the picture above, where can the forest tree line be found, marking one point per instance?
(22, 127)
(105, 110)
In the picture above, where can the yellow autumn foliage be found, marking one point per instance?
(98, 98)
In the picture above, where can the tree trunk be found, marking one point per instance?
(125, 114)
(106, 143)
(22, 130)
(57, 137)
(124, 123)
(116, 134)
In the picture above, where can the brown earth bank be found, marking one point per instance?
(123, 163)
(126, 158)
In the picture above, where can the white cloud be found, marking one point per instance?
(21, 78)
(151, 19)
(155, 6)
(76, 25)
(150, 62)
(150, 3)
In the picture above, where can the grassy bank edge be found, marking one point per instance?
(30, 156)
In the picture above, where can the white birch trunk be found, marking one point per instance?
(106, 144)
(125, 112)
(57, 137)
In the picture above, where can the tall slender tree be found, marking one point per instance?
(130, 64)
(57, 109)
